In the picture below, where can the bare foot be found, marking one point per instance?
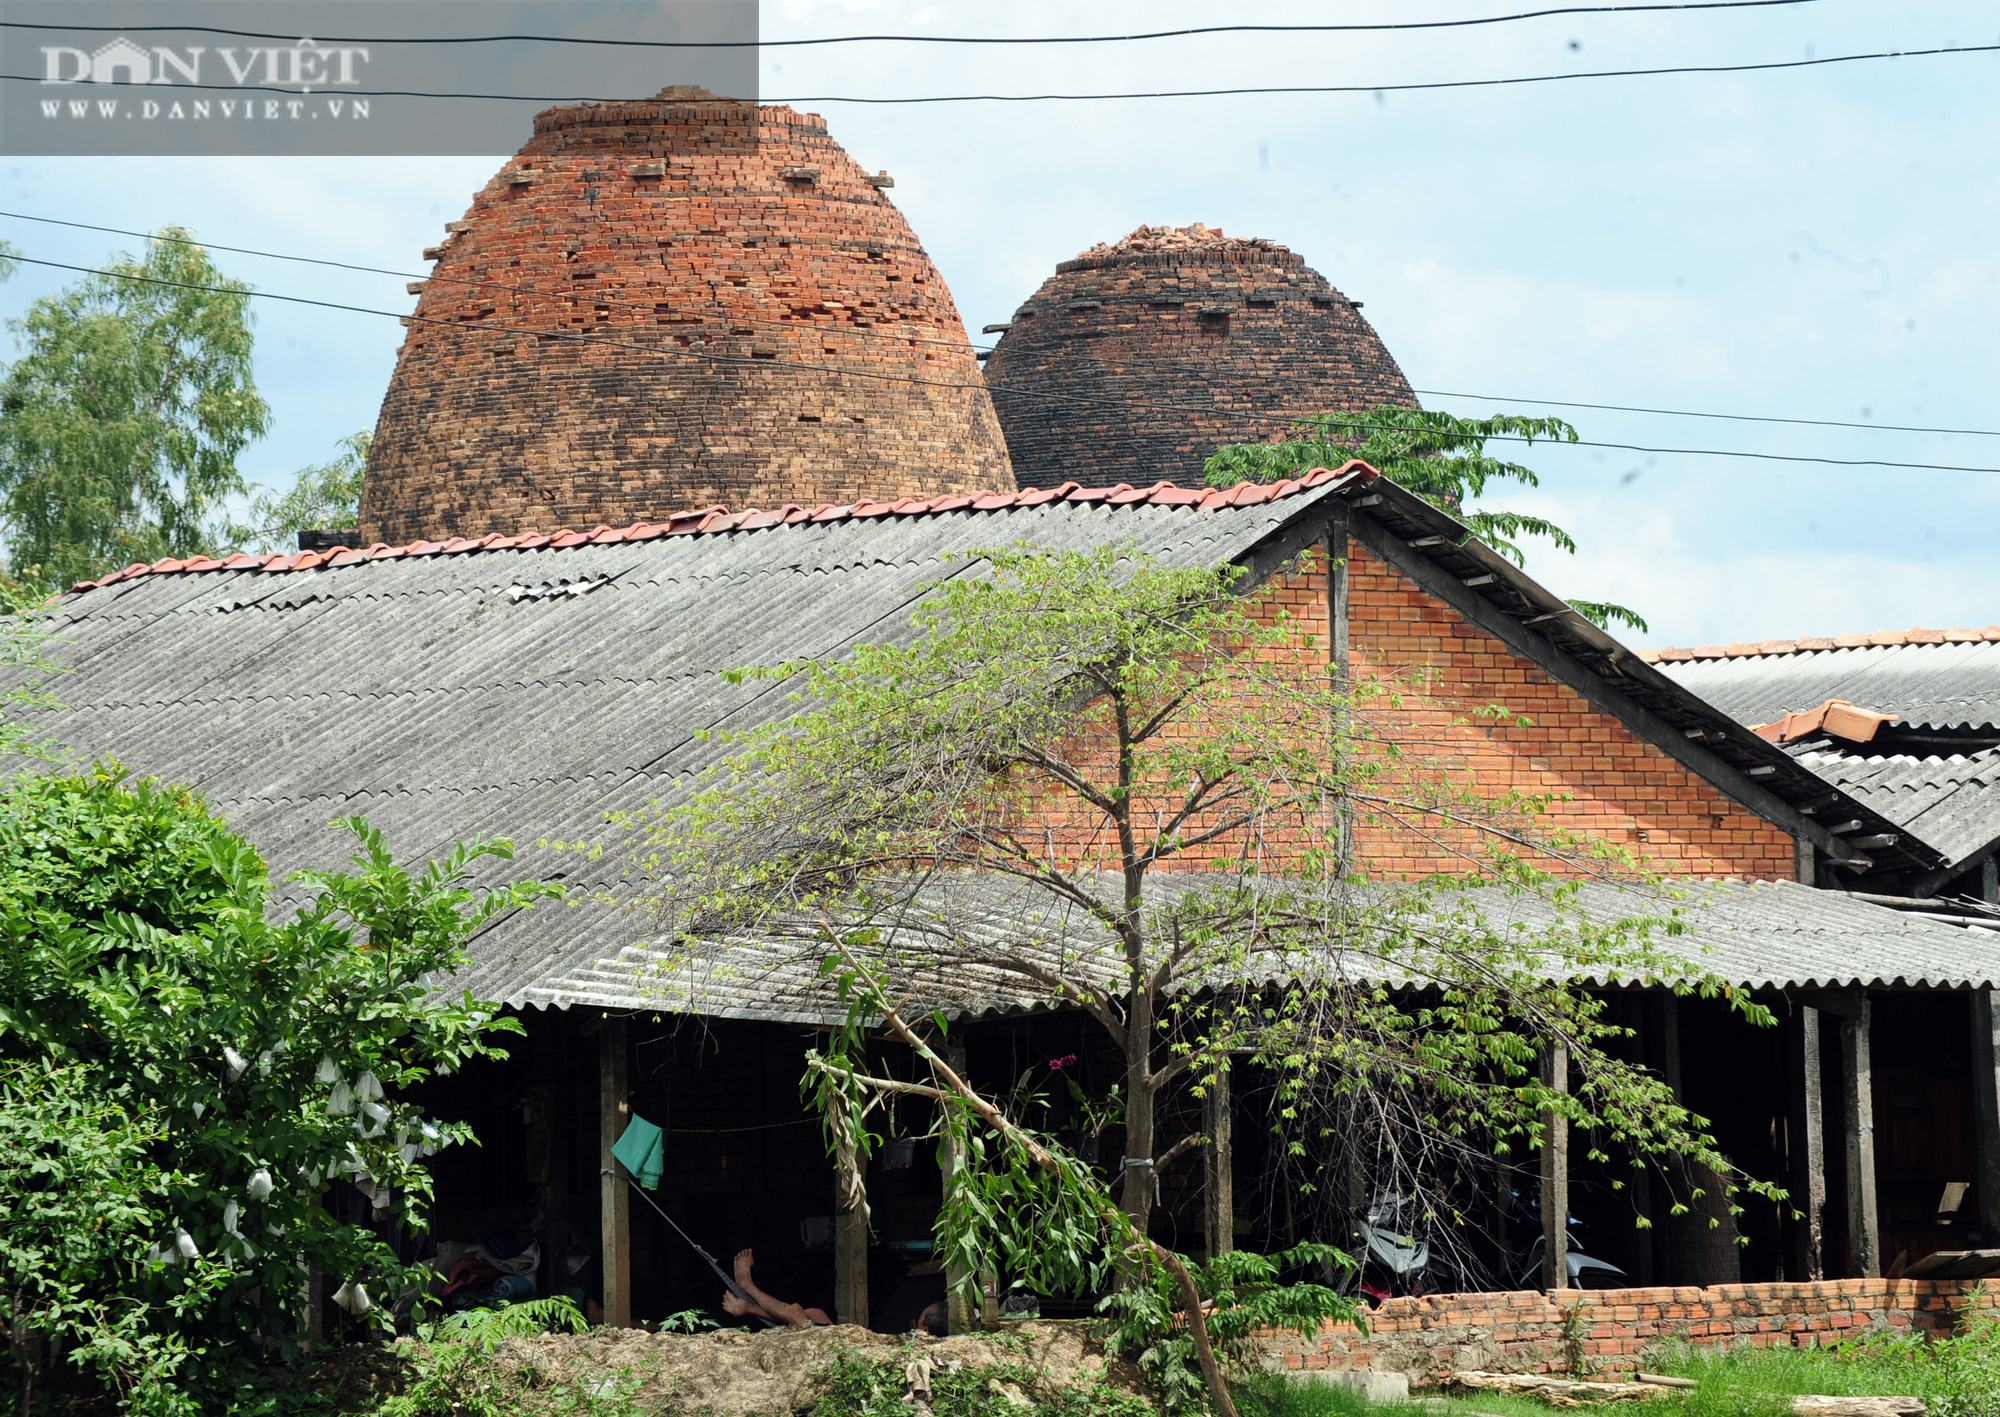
(733, 1306)
(744, 1259)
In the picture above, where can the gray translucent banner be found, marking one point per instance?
(344, 77)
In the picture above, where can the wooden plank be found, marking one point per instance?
(1864, 1221)
(1555, 1173)
(1218, 1200)
(1986, 1111)
(1593, 686)
(614, 1110)
(1805, 1141)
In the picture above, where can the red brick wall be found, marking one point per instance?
(1613, 784)
(764, 338)
(1614, 1331)
(1134, 362)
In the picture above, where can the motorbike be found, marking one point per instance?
(1396, 1259)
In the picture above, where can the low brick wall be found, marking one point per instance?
(1616, 1330)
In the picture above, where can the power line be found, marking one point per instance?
(801, 327)
(1045, 394)
(1730, 417)
(1375, 28)
(1425, 86)
(651, 307)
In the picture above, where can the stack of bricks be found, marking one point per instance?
(1136, 361)
(1615, 1331)
(669, 304)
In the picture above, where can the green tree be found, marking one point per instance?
(1128, 788)
(121, 422)
(323, 497)
(265, 1061)
(1439, 456)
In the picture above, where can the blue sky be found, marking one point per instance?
(1815, 243)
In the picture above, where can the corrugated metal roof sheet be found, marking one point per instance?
(1941, 685)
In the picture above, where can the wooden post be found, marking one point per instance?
(1219, 1193)
(958, 1315)
(1864, 1233)
(1339, 546)
(614, 1110)
(1804, 862)
(1555, 1173)
(1805, 1138)
(850, 1236)
(1986, 1110)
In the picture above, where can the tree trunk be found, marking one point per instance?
(1136, 1197)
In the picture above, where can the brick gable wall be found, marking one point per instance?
(1617, 786)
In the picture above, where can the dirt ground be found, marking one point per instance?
(735, 1373)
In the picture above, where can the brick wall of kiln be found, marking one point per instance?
(1615, 1331)
(643, 313)
(1112, 372)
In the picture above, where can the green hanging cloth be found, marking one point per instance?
(643, 1151)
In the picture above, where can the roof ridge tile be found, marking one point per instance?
(718, 518)
(1807, 644)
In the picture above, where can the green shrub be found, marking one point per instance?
(259, 1061)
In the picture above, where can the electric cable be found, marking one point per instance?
(1202, 30)
(1422, 86)
(801, 327)
(1048, 395)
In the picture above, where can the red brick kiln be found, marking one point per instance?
(1135, 361)
(670, 303)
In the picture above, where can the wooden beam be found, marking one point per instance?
(850, 1236)
(1218, 1200)
(1805, 1142)
(1864, 1221)
(1643, 722)
(1555, 1173)
(1986, 1111)
(614, 1110)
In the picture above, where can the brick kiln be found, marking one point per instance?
(670, 303)
(1135, 361)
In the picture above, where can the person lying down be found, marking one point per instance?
(762, 1305)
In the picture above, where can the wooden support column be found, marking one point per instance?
(1555, 1173)
(1805, 1143)
(1339, 547)
(1864, 1225)
(1804, 862)
(850, 1236)
(959, 1316)
(1986, 1111)
(614, 1110)
(1218, 1204)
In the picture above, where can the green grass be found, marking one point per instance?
(1956, 1377)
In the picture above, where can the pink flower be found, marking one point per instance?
(1056, 1065)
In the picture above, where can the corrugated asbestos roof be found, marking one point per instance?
(1951, 802)
(1755, 934)
(531, 688)
(1942, 683)
(527, 692)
